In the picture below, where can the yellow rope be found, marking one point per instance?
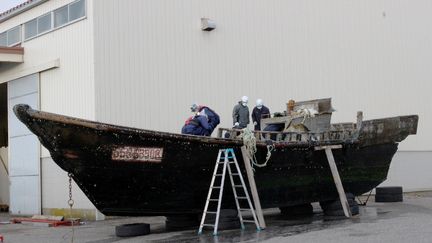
(249, 141)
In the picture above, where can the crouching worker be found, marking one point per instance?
(213, 117)
(208, 124)
(197, 125)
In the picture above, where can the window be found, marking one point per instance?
(76, 10)
(3, 39)
(44, 23)
(60, 16)
(14, 36)
(30, 29)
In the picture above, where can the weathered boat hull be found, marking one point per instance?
(126, 171)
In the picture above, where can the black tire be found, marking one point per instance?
(339, 212)
(304, 209)
(130, 230)
(389, 190)
(181, 222)
(389, 198)
(336, 205)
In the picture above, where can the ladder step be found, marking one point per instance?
(217, 187)
(218, 174)
(241, 197)
(245, 209)
(229, 162)
(210, 225)
(234, 173)
(211, 212)
(248, 221)
(213, 200)
(238, 186)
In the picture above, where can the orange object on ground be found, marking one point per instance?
(53, 223)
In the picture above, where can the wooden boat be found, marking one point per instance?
(128, 171)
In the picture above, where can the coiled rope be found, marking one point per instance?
(249, 141)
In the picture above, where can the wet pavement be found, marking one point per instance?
(408, 221)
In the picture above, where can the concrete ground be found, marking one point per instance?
(409, 221)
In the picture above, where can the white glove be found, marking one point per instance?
(236, 124)
(255, 123)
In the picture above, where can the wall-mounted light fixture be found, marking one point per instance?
(207, 24)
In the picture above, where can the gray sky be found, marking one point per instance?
(8, 4)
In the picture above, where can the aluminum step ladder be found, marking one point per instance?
(226, 158)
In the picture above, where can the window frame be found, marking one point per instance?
(67, 20)
(19, 36)
(25, 28)
(5, 35)
(22, 28)
(69, 11)
(37, 25)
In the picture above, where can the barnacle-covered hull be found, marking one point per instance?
(127, 171)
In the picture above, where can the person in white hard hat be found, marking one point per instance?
(241, 113)
(259, 111)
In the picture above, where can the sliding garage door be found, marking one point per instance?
(24, 149)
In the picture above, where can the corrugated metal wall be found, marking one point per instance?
(152, 60)
(67, 90)
(70, 89)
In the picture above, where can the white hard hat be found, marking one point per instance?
(244, 99)
(259, 102)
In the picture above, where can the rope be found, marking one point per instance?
(249, 141)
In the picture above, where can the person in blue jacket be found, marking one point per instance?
(203, 123)
(197, 125)
(213, 117)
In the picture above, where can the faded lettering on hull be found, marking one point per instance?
(137, 154)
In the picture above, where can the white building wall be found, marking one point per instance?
(152, 60)
(411, 169)
(68, 89)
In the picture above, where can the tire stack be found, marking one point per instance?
(181, 222)
(228, 219)
(334, 208)
(297, 210)
(389, 194)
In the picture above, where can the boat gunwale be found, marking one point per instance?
(23, 110)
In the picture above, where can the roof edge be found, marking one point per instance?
(20, 9)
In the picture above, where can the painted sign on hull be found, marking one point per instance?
(137, 154)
